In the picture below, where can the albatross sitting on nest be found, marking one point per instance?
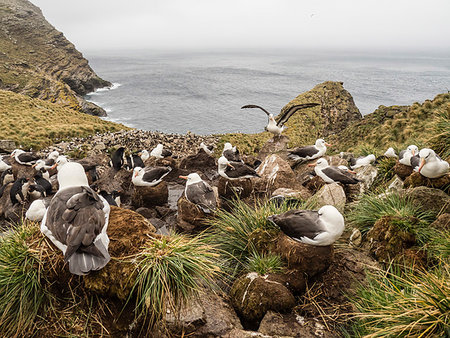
(275, 127)
(431, 165)
(199, 193)
(321, 228)
(309, 152)
(332, 174)
(234, 170)
(76, 221)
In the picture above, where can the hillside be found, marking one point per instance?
(38, 61)
(35, 123)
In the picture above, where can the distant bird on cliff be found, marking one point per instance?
(231, 153)
(160, 152)
(76, 221)
(3, 165)
(361, 161)
(144, 154)
(275, 127)
(207, 149)
(309, 152)
(149, 176)
(332, 174)
(404, 157)
(24, 158)
(234, 170)
(321, 228)
(199, 193)
(390, 153)
(431, 165)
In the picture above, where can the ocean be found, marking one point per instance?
(202, 92)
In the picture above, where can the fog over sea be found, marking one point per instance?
(202, 92)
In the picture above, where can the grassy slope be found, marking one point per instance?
(36, 123)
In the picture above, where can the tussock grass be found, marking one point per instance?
(232, 230)
(399, 303)
(264, 264)
(385, 168)
(372, 207)
(22, 294)
(440, 142)
(35, 123)
(170, 271)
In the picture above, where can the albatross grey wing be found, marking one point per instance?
(232, 156)
(255, 106)
(304, 152)
(284, 116)
(75, 217)
(401, 154)
(28, 157)
(155, 174)
(240, 170)
(415, 161)
(299, 223)
(338, 176)
(202, 195)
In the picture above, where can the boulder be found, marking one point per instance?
(366, 175)
(292, 325)
(402, 171)
(273, 145)
(430, 199)
(331, 194)
(147, 212)
(252, 295)
(386, 241)
(5, 200)
(395, 184)
(231, 188)
(20, 170)
(7, 146)
(417, 180)
(150, 196)
(275, 173)
(209, 316)
(198, 162)
(287, 193)
(442, 222)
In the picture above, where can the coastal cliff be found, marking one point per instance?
(38, 61)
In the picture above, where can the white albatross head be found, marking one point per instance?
(39, 165)
(192, 178)
(320, 143)
(227, 146)
(413, 149)
(321, 163)
(60, 162)
(71, 174)
(53, 155)
(17, 152)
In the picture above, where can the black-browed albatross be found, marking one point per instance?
(321, 228)
(331, 174)
(275, 127)
(234, 170)
(199, 193)
(309, 152)
(149, 176)
(76, 221)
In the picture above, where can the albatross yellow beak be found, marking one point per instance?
(422, 163)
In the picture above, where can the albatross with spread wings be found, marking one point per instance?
(275, 127)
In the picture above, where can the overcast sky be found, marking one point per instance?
(343, 24)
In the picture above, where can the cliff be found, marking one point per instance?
(38, 61)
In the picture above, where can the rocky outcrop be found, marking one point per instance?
(37, 60)
(331, 194)
(417, 180)
(430, 199)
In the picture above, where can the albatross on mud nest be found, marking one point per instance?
(76, 221)
(199, 193)
(234, 170)
(309, 152)
(321, 228)
(431, 165)
(332, 174)
(275, 127)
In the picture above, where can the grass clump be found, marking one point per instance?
(440, 142)
(264, 264)
(385, 168)
(399, 303)
(22, 294)
(232, 230)
(170, 271)
(372, 207)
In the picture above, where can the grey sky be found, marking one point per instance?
(379, 24)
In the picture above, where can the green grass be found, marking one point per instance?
(385, 168)
(264, 264)
(22, 295)
(372, 207)
(404, 303)
(440, 142)
(232, 230)
(170, 271)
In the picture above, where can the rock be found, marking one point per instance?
(387, 242)
(189, 215)
(430, 199)
(239, 333)
(273, 145)
(147, 212)
(5, 200)
(253, 295)
(275, 173)
(292, 325)
(331, 194)
(395, 184)
(355, 238)
(417, 180)
(402, 171)
(150, 196)
(127, 231)
(7, 146)
(20, 170)
(230, 188)
(442, 222)
(198, 162)
(367, 175)
(302, 194)
(210, 316)
(99, 147)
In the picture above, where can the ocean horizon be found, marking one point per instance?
(202, 91)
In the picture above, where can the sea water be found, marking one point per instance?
(202, 91)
